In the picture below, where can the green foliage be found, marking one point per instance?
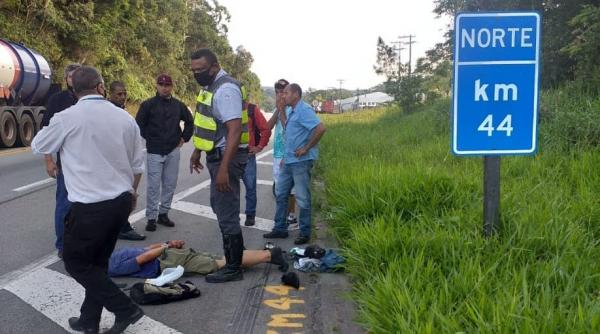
(558, 66)
(129, 40)
(408, 216)
(585, 46)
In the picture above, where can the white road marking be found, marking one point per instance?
(264, 163)
(16, 274)
(264, 154)
(59, 297)
(34, 184)
(265, 182)
(206, 212)
(179, 196)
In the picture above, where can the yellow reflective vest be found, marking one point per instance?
(208, 131)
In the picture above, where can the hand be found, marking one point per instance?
(181, 142)
(222, 180)
(134, 197)
(255, 149)
(280, 103)
(176, 244)
(300, 151)
(51, 168)
(195, 164)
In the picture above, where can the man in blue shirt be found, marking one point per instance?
(303, 130)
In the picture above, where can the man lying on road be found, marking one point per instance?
(148, 262)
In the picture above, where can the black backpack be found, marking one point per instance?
(251, 109)
(148, 294)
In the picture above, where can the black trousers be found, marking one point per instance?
(91, 233)
(226, 205)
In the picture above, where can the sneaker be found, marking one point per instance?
(291, 219)
(151, 225)
(276, 235)
(250, 220)
(60, 254)
(132, 235)
(163, 219)
(301, 239)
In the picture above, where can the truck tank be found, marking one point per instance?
(25, 79)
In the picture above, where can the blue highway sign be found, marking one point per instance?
(496, 81)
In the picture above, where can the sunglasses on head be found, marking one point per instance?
(280, 85)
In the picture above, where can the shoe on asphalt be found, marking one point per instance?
(250, 220)
(301, 239)
(122, 324)
(278, 259)
(151, 225)
(275, 235)
(76, 326)
(132, 235)
(59, 254)
(163, 219)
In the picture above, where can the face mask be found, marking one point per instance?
(204, 78)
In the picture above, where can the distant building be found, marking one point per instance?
(370, 100)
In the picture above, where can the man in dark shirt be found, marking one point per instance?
(118, 97)
(57, 103)
(159, 119)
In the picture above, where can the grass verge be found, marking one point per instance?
(409, 217)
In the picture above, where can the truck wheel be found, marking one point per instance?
(26, 130)
(8, 129)
(38, 121)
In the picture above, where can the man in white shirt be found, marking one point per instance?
(102, 160)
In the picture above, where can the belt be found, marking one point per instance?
(220, 150)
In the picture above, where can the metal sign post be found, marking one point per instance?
(496, 95)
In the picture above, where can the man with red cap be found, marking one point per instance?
(158, 119)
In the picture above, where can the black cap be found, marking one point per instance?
(291, 279)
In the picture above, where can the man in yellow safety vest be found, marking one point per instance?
(221, 130)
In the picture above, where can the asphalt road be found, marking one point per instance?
(38, 296)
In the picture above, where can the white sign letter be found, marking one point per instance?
(468, 38)
(480, 92)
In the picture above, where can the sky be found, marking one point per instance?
(316, 42)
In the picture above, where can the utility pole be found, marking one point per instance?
(340, 104)
(409, 43)
(399, 48)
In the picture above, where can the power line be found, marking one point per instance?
(409, 43)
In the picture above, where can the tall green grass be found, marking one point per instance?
(409, 217)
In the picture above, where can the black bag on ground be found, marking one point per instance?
(148, 294)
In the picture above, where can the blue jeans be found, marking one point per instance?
(249, 179)
(294, 175)
(63, 206)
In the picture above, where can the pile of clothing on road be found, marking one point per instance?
(316, 259)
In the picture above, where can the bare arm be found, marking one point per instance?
(51, 167)
(273, 120)
(314, 140)
(151, 254)
(155, 250)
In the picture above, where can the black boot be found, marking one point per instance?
(233, 244)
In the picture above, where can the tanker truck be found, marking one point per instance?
(25, 80)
